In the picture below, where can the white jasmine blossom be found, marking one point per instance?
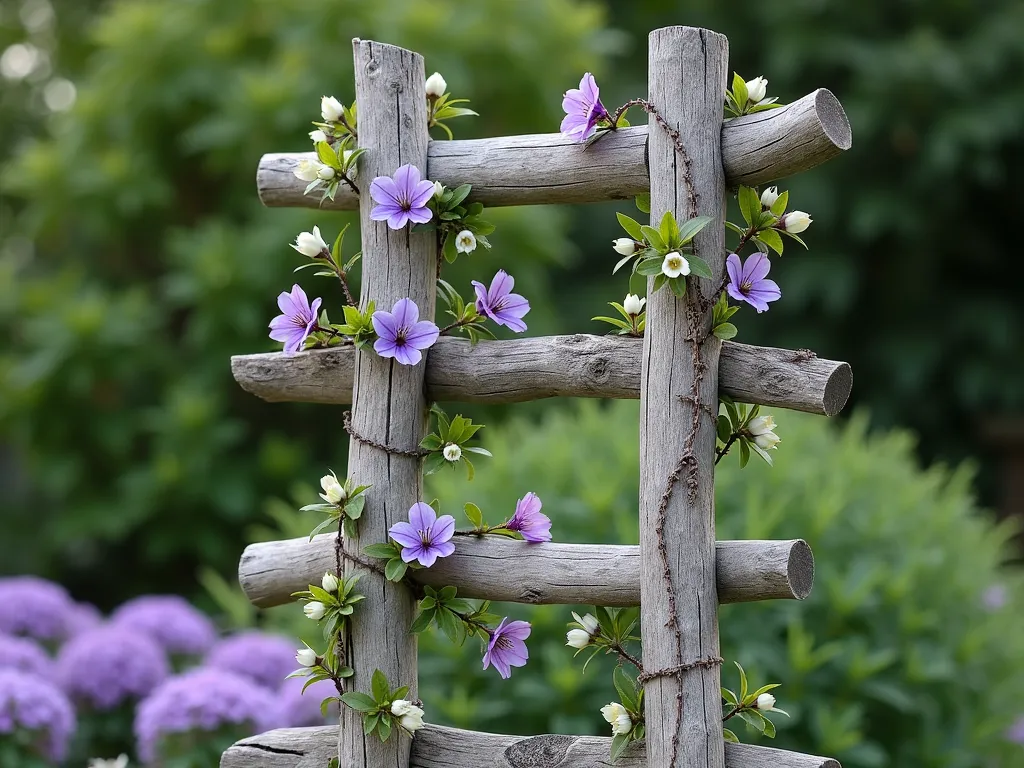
(617, 716)
(624, 246)
(317, 136)
(334, 491)
(436, 86)
(308, 170)
(675, 265)
(757, 89)
(410, 717)
(331, 109)
(769, 196)
(465, 242)
(795, 222)
(306, 657)
(314, 610)
(310, 244)
(633, 305)
(452, 452)
(329, 582)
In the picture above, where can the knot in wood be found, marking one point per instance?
(530, 595)
(599, 369)
(539, 752)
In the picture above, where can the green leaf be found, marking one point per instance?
(649, 266)
(761, 452)
(744, 454)
(795, 237)
(739, 91)
(338, 241)
(730, 736)
(384, 551)
(631, 226)
(779, 206)
(474, 515)
(753, 719)
(447, 593)
(769, 728)
(360, 702)
(327, 155)
(659, 281)
(614, 321)
(729, 696)
(626, 688)
(723, 429)
(750, 204)
(643, 202)
(669, 230)
(451, 625)
(678, 286)
(434, 462)
(699, 267)
(395, 569)
(384, 729)
(370, 723)
(692, 227)
(654, 238)
(743, 681)
(459, 193)
(726, 331)
(772, 239)
(354, 507)
(379, 686)
(619, 744)
(324, 525)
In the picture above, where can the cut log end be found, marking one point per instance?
(832, 118)
(837, 389)
(801, 569)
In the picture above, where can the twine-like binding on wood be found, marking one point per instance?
(415, 453)
(709, 662)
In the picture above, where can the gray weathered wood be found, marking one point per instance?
(440, 747)
(496, 568)
(679, 623)
(388, 400)
(547, 168)
(517, 370)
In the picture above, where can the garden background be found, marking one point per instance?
(135, 258)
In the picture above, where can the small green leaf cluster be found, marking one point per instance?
(745, 706)
(467, 319)
(337, 605)
(631, 697)
(614, 630)
(448, 444)
(376, 708)
(734, 427)
(358, 325)
(738, 101)
(631, 325)
(456, 617)
(341, 161)
(654, 244)
(451, 217)
(720, 325)
(443, 108)
(328, 666)
(395, 567)
(345, 512)
(762, 221)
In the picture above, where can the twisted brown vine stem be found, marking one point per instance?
(346, 421)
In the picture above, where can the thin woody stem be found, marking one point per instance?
(347, 180)
(624, 654)
(720, 452)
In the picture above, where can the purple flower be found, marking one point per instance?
(583, 110)
(297, 320)
(267, 659)
(747, 283)
(529, 521)
(994, 597)
(426, 536)
(109, 665)
(24, 655)
(82, 617)
(300, 709)
(34, 607)
(401, 336)
(506, 648)
(500, 304)
(171, 621)
(202, 700)
(401, 199)
(34, 704)
(1016, 732)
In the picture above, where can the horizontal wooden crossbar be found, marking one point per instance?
(516, 370)
(440, 747)
(495, 568)
(547, 168)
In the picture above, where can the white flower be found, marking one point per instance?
(121, 761)
(306, 657)
(766, 702)
(618, 718)
(795, 221)
(624, 246)
(577, 638)
(675, 265)
(409, 715)
(331, 109)
(329, 582)
(761, 429)
(769, 196)
(588, 621)
(317, 136)
(308, 170)
(314, 610)
(436, 86)
(757, 89)
(465, 242)
(452, 452)
(310, 244)
(326, 173)
(334, 491)
(633, 305)
(438, 189)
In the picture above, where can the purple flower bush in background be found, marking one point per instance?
(24, 655)
(301, 710)
(266, 659)
(35, 608)
(296, 321)
(29, 703)
(507, 647)
(110, 665)
(202, 700)
(747, 281)
(529, 520)
(402, 334)
(500, 304)
(402, 199)
(171, 621)
(1016, 732)
(583, 110)
(82, 617)
(426, 536)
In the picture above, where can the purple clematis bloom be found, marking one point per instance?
(747, 281)
(297, 321)
(500, 304)
(426, 536)
(37, 714)
(529, 521)
(1016, 732)
(402, 334)
(583, 109)
(507, 648)
(401, 199)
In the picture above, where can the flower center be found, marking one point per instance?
(503, 643)
(745, 287)
(425, 537)
(675, 263)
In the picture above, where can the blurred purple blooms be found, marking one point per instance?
(300, 710)
(266, 659)
(204, 700)
(402, 199)
(583, 110)
(171, 621)
(107, 666)
(507, 648)
(500, 304)
(296, 321)
(24, 655)
(35, 608)
(32, 703)
(402, 334)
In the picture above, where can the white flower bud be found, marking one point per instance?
(761, 430)
(766, 702)
(795, 222)
(121, 761)
(767, 441)
(769, 196)
(465, 242)
(310, 244)
(410, 717)
(330, 582)
(757, 89)
(617, 716)
(624, 246)
(306, 657)
(577, 638)
(588, 621)
(308, 170)
(326, 173)
(675, 265)
(331, 109)
(452, 452)
(633, 305)
(435, 86)
(317, 136)
(438, 189)
(334, 491)
(314, 610)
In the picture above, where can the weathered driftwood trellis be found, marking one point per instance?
(679, 573)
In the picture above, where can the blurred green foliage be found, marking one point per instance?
(908, 651)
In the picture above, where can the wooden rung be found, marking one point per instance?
(547, 168)
(517, 370)
(440, 747)
(496, 568)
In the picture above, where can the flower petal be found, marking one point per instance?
(384, 191)
(398, 219)
(589, 89)
(385, 347)
(405, 534)
(385, 211)
(413, 553)
(406, 314)
(501, 285)
(443, 529)
(421, 193)
(407, 355)
(733, 290)
(444, 549)
(406, 179)
(428, 556)
(422, 335)
(519, 630)
(734, 267)
(385, 324)
(420, 215)
(757, 267)
(422, 516)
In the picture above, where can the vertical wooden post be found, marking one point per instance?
(679, 622)
(388, 399)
